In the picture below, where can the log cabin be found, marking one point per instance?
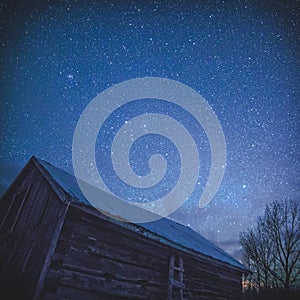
(55, 245)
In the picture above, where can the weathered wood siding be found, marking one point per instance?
(77, 253)
(96, 259)
(23, 250)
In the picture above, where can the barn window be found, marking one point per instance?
(11, 215)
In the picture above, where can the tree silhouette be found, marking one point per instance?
(272, 249)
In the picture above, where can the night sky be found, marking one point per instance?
(241, 56)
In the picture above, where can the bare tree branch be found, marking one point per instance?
(272, 249)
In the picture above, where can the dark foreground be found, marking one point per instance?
(271, 295)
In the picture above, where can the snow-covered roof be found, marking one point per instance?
(165, 230)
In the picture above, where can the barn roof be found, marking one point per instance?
(165, 230)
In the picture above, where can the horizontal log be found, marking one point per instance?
(132, 249)
(108, 265)
(94, 284)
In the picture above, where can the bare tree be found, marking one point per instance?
(272, 249)
(282, 226)
(258, 253)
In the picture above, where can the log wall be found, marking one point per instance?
(97, 259)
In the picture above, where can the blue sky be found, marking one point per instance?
(242, 57)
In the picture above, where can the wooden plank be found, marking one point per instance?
(177, 283)
(116, 235)
(99, 241)
(170, 278)
(181, 278)
(109, 265)
(178, 269)
(97, 284)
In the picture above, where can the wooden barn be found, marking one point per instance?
(55, 245)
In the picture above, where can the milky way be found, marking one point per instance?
(243, 58)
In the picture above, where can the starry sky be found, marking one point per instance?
(241, 56)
